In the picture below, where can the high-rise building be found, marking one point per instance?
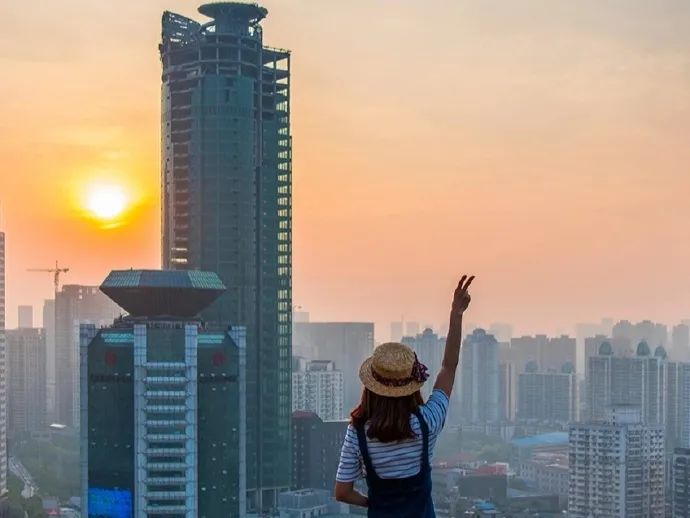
(26, 387)
(547, 396)
(645, 331)
(429, 349)
(548, 353)
(680, 483)
(507, 397)
(677, 405)
(680, 342)
(49, 331)
(347, 344)
(396, 331)
(317, 386)
(227, 206)
(75, 305)
(25, 317)
(163, 402)
(638, 381)
(3, 384)
(620, 346)
(617, 467)
(316, 450)
(479, 379)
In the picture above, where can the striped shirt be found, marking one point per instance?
(397, 459)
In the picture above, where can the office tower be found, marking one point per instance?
(548, 353)
(26, 387)
(347, 344)
(617, 467)
(638, 381)
(316, 445)
(49, 331)
(317, 386)
(3, 384)
(163, 402)
(226, 198)
(25, 317)
(525, 349)
(411, 328)
(429, 348)
(507, 397)
(479, 380)
(680, 342)
(547, 396)
(678, 405)
(75, 305)
(396, 331)
(645, 331)
(502, 331)
(680, 483)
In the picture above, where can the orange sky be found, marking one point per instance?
(541, 145)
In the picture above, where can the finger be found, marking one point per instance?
(462, 281)
(469, 281)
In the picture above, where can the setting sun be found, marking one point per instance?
(106, 202)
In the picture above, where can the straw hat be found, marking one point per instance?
(393, 371)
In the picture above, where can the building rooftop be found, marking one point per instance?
(170, 293)
(544, 439)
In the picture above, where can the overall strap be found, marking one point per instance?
(364, 450)
(425, 439)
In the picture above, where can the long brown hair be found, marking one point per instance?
(388, 417)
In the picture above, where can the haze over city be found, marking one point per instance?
(542, 146)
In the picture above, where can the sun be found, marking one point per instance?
(106, 202)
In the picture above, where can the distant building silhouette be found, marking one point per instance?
(548, 353)
(347, 344)
(396, 331)
(646, 331)
(429, 348)
(680, 343)
(3, 385)
(547, 396)
(49, 331)
(679, 485)
(508, 392)
(317, 386)
(25, 317)
(479, 379)
(26, 386)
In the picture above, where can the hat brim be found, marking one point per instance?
(380, 389)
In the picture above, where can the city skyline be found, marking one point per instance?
(537, 110)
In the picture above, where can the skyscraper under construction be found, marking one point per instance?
(226, 198)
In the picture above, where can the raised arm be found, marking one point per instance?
(451, 355)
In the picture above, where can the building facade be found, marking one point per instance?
(347, 344)
(617, 467)
(680, 483)
(479, 379)
(26, 394)
(163, 403)
(547, 396)
(75, 305)
(227, 207)
(429, 348)
(316, 450)
(317, 386)
(639, 381)
(508, 392)
(25, 316)
(49, 331)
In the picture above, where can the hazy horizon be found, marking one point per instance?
(542, 146)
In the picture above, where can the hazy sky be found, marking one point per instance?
(540, 144)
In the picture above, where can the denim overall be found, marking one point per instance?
(401, 497)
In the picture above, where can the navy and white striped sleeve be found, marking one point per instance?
(435, 411)
(350, 467)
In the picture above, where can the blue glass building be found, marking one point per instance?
(226, 199)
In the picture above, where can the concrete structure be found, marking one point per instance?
(75, 305)
(347, 344)
(317, 386)
(680, 343)
(620, 346)
(316, 446)
(639, 381)
(508, 391)
(548, 473)
(163, 402)
(309, 503)
(479, 379)
(680, 483)
(25, 317)
(49, 331)
(228, 144)
(547, 396)
(26, 356)
(646, 331)
(429, 348)
(617, 467)
(548, 353)
(227, 203)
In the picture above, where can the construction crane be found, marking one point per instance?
(57, 271)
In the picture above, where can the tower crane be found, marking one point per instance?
(57, 271)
